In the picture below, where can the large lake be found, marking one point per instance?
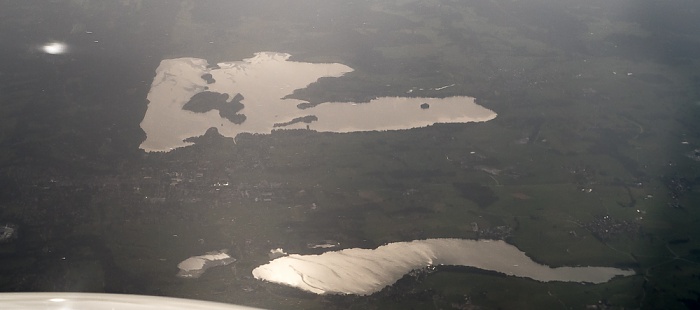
(262, 81)
(366, 271)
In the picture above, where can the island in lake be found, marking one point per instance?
(206, 101)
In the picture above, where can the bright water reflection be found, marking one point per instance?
(366, 271)
(263, 81)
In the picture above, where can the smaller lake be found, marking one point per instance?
(367, 271)
(189, 96)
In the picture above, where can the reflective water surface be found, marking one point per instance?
(264, 81)
(364, 271)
